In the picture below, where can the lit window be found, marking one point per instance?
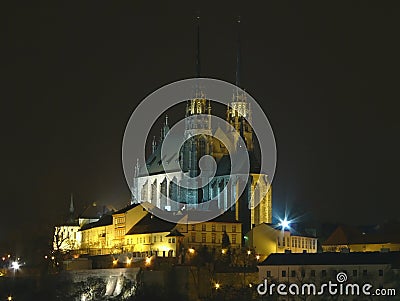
(203, 237)
(234, 228)
(203, 227)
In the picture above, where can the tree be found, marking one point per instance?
(225, 241)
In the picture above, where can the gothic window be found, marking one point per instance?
(202, 147)
(145, 191)
(163, 193)
(154, 190)
(173, 190)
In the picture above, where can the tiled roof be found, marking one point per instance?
(125, 209)
(335, 258)
(151, 224)
(346, 235)
(105, 220)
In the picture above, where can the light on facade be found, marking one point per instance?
(128, 261)
(223, 251)
(258, 257)
(191, 251)
(217, 285)
(148, 260)
(115, 261)
(248, 252)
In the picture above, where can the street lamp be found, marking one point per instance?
(285, 223)
(15, 265)
(148, 260)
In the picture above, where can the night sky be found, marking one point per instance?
(325, 75)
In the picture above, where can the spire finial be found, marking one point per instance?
(238, 54)
(198, 45)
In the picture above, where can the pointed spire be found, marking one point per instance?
(165, 128)
(238, 55)
(153, 145)
(137, 167)
(198, 46)
(71, 204)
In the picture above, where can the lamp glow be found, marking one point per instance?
(148, 260)
(285, 224)
(15, 265)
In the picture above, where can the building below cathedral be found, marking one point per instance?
(133, 230)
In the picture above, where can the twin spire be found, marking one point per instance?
(238, 53)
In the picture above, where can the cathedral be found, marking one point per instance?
(161, 179)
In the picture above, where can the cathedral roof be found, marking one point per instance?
(154, 164)
(224, 165)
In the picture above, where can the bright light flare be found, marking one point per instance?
(148, 260)
(191, 251)
(15, 265)
(217, 286)
(285, 224)
(128, 261)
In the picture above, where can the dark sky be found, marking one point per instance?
(325, 75)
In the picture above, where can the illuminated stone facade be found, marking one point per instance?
(134, 230)
(266, 240)
(252, 207)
